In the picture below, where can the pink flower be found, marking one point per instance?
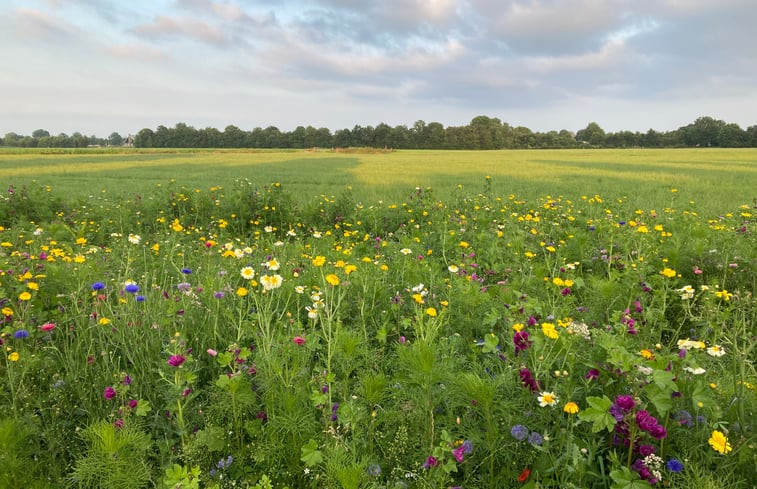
(298, 340)
(176, 360)
(212, 352)
(109, 393)
(47, 327)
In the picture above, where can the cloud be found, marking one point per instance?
(165, 27)
(37, 25)
(135, 51)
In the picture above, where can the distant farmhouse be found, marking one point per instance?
(128, 142)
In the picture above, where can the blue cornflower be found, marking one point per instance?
(140, 298)
(186, 271)
(674, 465)
(535, 438)
(132, 288)
(21, 334)
(519, 432)
(98, 286)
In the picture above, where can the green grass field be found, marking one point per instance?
(710, 177)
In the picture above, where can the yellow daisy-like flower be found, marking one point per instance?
(518, 327)
(247, 273)
(176, 226)
(24, 296)
(348, 269)
(716, 351)
(719, 442)
(418, 298)
(318, 261)
(547, 399)
(7, 311)
(668, 272)
(271, 282)
(549, 331)
(570, 407)
(431, 312)
(723, 294)
(103, 321)
(241, 291)
(13, 357)
(332, 279)
(646, 354)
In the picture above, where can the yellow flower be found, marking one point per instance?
(271, 282)
(13, 357)
(518, 327)
(642, 229)
(332, 279)
(7, 311)
(241, 291)
(431, 312)
(723, 294)
(719, 442)
(103, 321)
(647, 354)
(81, 241)
(668, 272)
(418, 298)
(32, 285)
(463, 244)
(318, 261)
(247, 273)
(570, 407)
(549, 331)
(348, 269)
(24, 296)
(176, 226)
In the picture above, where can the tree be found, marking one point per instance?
(233, 137)
(145, 139)
(732, 136)
(702, 132)
(40, 133)
(115, 139)
(592, 134)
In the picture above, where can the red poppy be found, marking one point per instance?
(524, 475)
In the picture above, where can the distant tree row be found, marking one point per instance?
(42, 139)
(481, 133)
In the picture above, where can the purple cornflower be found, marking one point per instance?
(219, 295)
(535, 438)
(519, 432)
(674, 465)
(176, 360)
(21, 334)
(184, 287)
(132, 288)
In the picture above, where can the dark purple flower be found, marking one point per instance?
(431, 461)
(459, 453)
(592, 374)
(133, 403)
(528, 381)
(521, 342)
(126, 380)
(176, 360)
(658, 432)
(109, 393)
(645, 450)
(625, 402)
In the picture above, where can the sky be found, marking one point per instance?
(103, 66)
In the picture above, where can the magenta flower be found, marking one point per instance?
(109, 393)
(298, 340)
(521, 342)
(176, 360)
(431, 461)
(47, 327)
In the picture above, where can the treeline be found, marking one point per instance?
(482, 133)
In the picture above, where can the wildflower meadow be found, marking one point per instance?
(249, 335)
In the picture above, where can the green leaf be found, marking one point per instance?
(664, 380)
(625, 479)
(310, 454)
(490, 343)
(143, 407)
(491, 318)
(598, 413)
(660, 398)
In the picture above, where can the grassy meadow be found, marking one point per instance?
(361, 319)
